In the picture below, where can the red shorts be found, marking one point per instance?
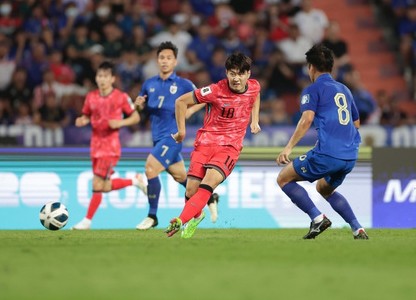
(103, 166)
(221, 158)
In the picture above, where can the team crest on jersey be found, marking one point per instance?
(305, 99)
(205, 91)
(151, 90)
(173, 89)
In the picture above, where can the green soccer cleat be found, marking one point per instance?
(174, 226)
(190, 227)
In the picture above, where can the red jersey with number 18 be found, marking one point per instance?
(105, 141)
(227, 113)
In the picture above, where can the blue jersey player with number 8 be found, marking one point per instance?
(330, 106)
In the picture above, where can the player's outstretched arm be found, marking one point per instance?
(82, 121)
(303, 126)
(255, 111)
(134, 118)
(181, 106)
(193, 109)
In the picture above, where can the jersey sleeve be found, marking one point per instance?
(143, 90)
(354, 110)
(127, 105)
(86, 109)
(206, 94)
(188, 85)
(308, 100)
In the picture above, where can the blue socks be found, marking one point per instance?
(341, 206)
(300, 197)
(153, 192)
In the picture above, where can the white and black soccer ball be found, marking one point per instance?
(53, 215)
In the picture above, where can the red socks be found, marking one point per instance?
(119, 183)
(116, 184)
(196, 203)
(94, 203)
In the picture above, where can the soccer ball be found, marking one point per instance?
(53, 215)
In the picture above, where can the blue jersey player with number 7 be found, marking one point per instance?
(330, 106)
(158, 95)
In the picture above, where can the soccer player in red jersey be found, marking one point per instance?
(103, 109)
(230, 104)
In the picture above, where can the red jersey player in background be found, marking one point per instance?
(229, 104)
(104, 109)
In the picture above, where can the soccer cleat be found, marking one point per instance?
(190, 227)
(213, 207)
(360, 234)
(174, 226)
(84, 224)
(139, 181)
(147, 223)
(317, 228)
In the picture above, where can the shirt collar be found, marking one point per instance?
(172, 76)
(324, 76)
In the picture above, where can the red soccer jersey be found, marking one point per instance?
(227, 113)
(104, 140)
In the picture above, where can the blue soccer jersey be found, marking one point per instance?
(160, 102)
(335, 112)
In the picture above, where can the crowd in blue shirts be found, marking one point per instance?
(50, 50)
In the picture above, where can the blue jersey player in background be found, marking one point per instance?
(159, 94)
(330, 106)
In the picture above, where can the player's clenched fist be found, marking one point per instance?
(140, 101)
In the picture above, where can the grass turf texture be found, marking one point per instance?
(214, 264)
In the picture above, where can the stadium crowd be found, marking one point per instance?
(50, 50)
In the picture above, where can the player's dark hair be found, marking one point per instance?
(238, 61)
(107, 65)
(168, 45)
(321, 57)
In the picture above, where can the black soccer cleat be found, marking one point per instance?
(317, 228)
(362, 235)
(215, 198)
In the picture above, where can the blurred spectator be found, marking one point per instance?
(223, 18)
(279, 114)
(231, 42)
(311, 21)
(277, 23)
(63, 72)
(388, 111)
(50, 85)
(18, 90)
(6, 115)
(7, 63)
(261, 49)
(35, 63)
(129, 70)
(102, 15)
(112, 42)
(279, 75)
(295, 46)
(202, 45)
(51, 115)
(133, 18)
(216, 67)
(9, 18)
(203, 7)
(177, 36)
(36, 22)
(339, 46)
(187, 18)
(365, 102)
(23, 115)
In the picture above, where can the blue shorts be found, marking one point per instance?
(313, 166)
(167, 151)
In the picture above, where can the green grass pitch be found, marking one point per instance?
(215, 264)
